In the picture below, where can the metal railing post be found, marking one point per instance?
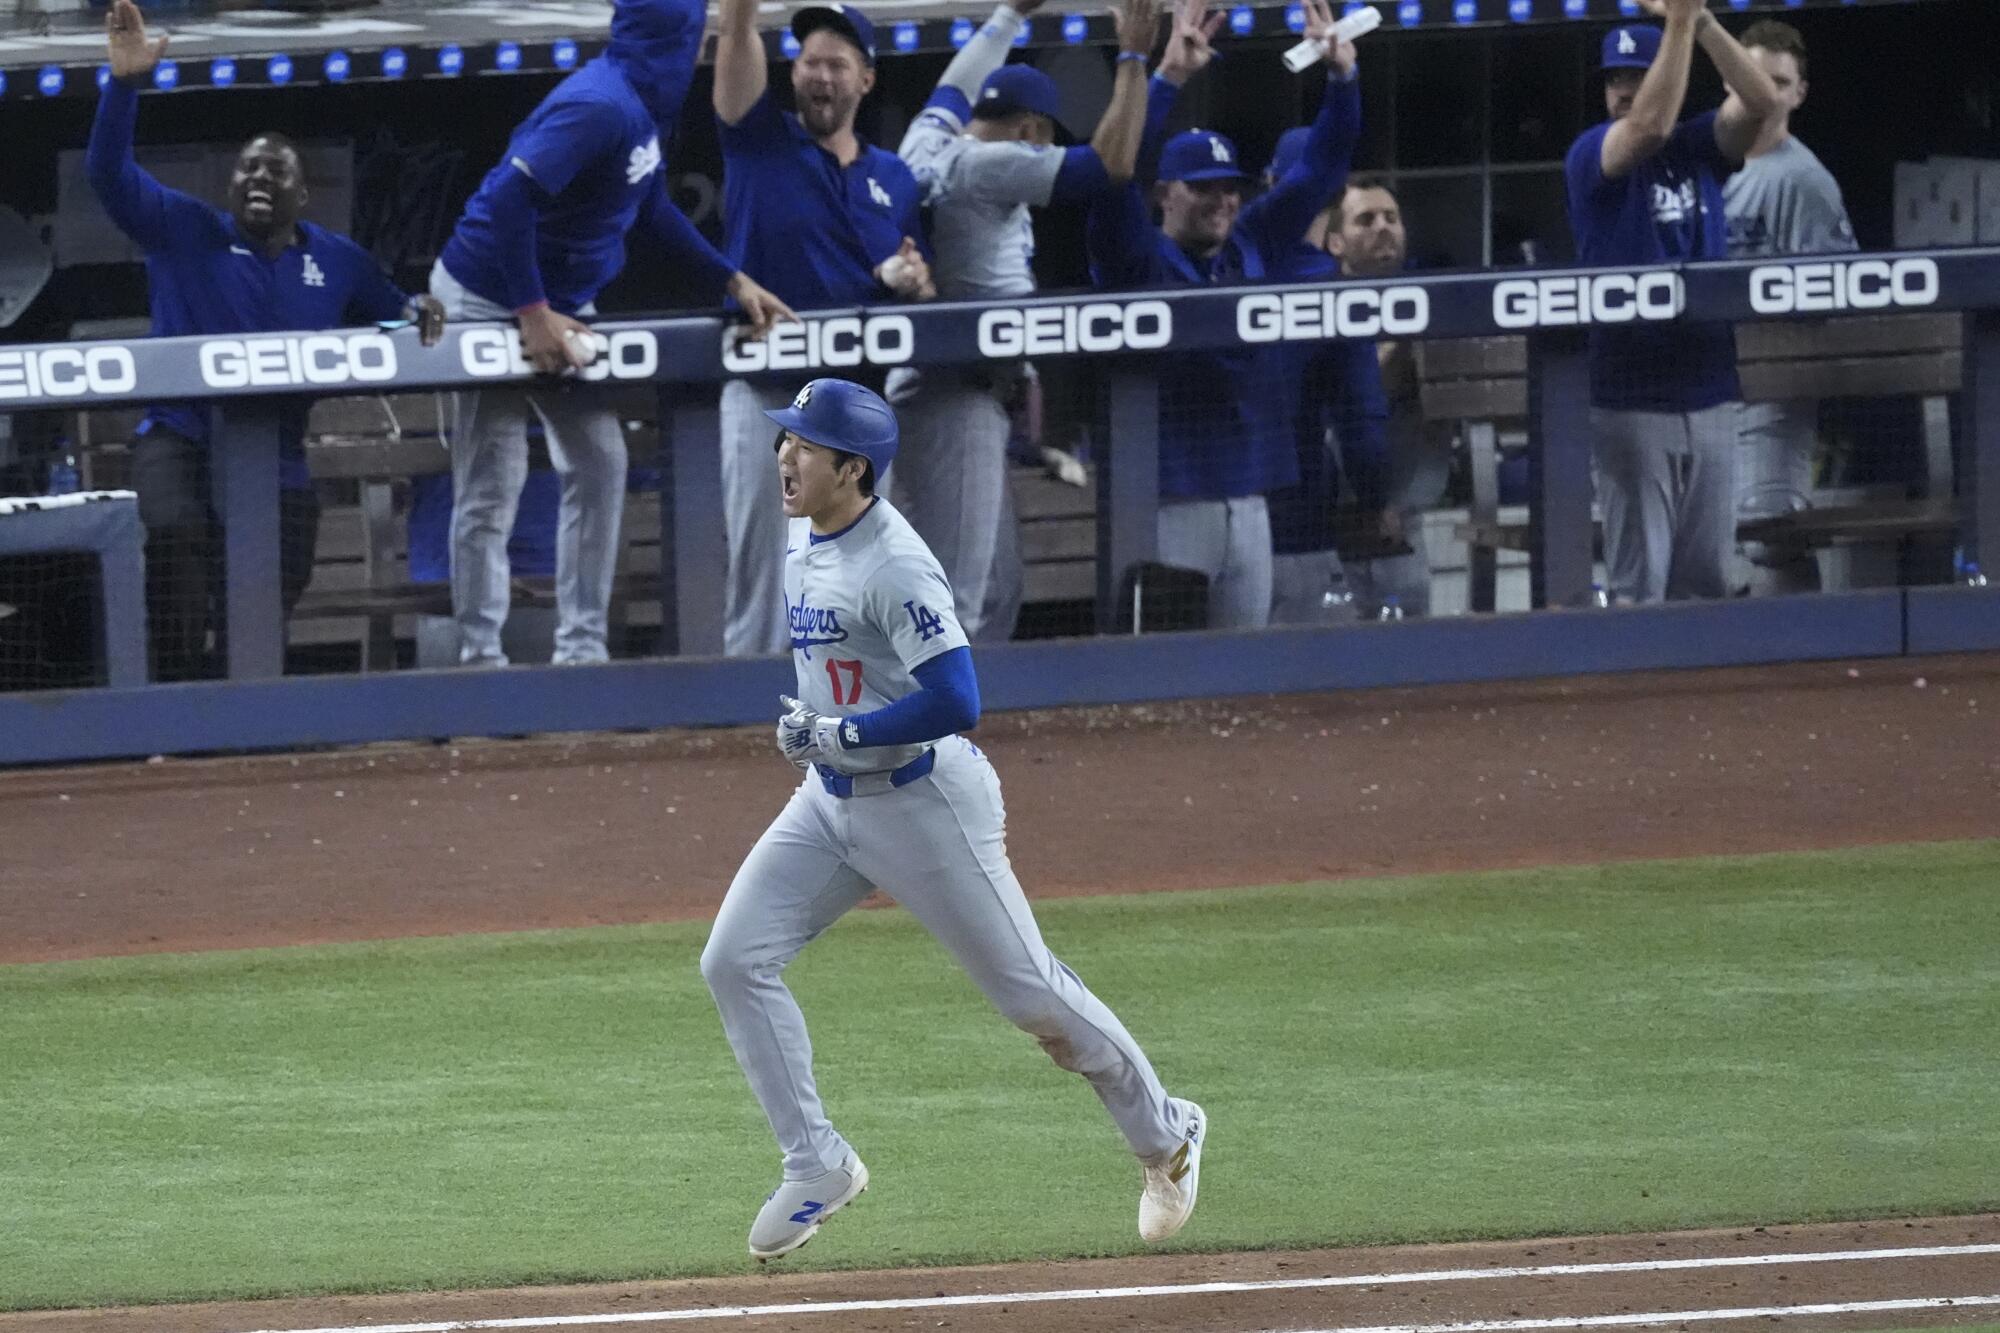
(243, 475)
(1128, 489)
(1561, 537)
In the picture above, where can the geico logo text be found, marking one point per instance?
(1854, 284)
(1604, 298)
(843, 340)
(1334, 312)
(314, 358)
(66, 372)
(1097, 326)
(629, 354)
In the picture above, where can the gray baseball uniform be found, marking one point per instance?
(952, 471)
(1784, 202)
(1665, 480)
(489, 464)
(925, 824)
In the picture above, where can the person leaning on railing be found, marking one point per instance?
(542, 236)
(1226, 418)
(256, 268)
(1645, 187)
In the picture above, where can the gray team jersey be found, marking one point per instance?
(978, 194)
(1786, 203)
(867, 607)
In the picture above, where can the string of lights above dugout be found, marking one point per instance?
(486, 41)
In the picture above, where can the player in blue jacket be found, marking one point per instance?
(256, 268)
(539, 239)
(1645, 187)
(895, 799)
(1227, 434)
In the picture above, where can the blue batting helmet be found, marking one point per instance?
(843, 415)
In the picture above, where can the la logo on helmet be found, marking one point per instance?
(805, 396)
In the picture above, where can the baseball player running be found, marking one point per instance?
(895, 799)
(983, 150)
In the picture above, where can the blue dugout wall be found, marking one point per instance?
(259, 708)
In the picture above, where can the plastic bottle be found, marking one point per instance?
(64, 477)
(1969, 574)
(1598, 595)
(1392, 608)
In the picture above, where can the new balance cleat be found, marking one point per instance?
(1168, 1201)
(794, 1210)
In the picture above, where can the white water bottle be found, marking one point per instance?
(1350, 27)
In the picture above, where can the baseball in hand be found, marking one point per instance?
(895, 272)
(582, 345)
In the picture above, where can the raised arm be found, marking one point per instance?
(1123, 126)
(1281, 216)
(144, 209)
(987, 51)
(741, 72)
(1756, 103)
(1644, 130)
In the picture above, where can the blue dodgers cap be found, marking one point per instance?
(1200, 155)
(1013, 88)
(844, 19)
(1291, 147)
(843, 415)
(1632, 47)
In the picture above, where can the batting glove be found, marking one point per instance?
(805, 736)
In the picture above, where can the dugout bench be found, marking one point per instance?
(1478, 387)
(364, 450)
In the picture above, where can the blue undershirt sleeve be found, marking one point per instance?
(1080, 177)
(947, 704)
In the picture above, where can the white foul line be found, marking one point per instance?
(1170, 1289)
(1671, 1317)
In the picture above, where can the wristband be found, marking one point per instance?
(1124, 56)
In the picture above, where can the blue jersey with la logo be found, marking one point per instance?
(1667, 209)
(868, 605)
(808, 228)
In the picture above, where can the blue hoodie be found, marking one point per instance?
(549, 222)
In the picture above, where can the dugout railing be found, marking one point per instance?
(685, 357)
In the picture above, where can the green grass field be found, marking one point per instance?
(1627, 1047)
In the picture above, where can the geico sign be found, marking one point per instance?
(1606, 298)
(66, 372)
(1097, 326)
(629, 354)
(841, 340)
(1857, 284)
(281, 361)
(1336, 312)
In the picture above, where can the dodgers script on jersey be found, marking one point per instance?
(867, 607)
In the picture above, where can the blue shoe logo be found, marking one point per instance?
(807, 1213)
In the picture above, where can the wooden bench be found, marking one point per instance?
(1479, 386)
(364, 451)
